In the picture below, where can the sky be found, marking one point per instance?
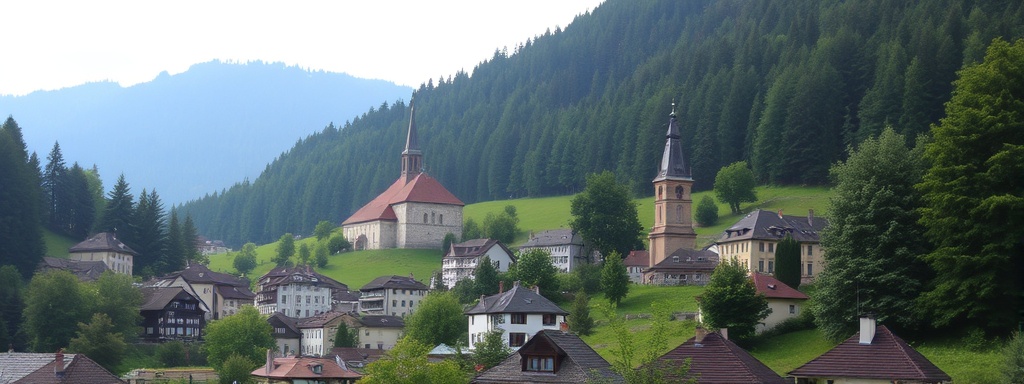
(46, 45)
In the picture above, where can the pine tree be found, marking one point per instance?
(20, 203)
(117, 218)
(787, 262)
(175, 259)
(614, 279)
(55, 189)
(189, 236)
(81, 206)
(150, 237)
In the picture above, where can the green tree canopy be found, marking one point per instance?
(305, 253)
(338, 244)
(20, 204)
(707, 212)
(471, 230)
(285, 249)
(407, 363)
(437, 319)
(11, 304)
(245, 333)
(245, 259)
(320, 255)
(731, 301)
(614, 279)
(873, 239)
(119, 300)
(485, 278)
(492, 350)
(50, 329)
(734, 184)
(973, 196)
(502, 226)
(323, 229)
(237, 369)
(346, 337)
(100, 341)
(534, 267)
(604, 214)
(579, 319)
(787, 261)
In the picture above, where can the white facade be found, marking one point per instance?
(517, 327)
(302, 300)
(312, 341)
(565, 247)
(391, 301)
(455, 268)
(117, 262)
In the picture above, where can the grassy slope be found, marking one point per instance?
(57, 245)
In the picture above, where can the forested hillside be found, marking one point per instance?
(785, 85)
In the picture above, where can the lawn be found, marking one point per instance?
(57, 245)
(355, 269)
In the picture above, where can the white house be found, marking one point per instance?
(565, 247)
(518, 313)
(462, 259)
(391, 295)
(380, 332)
(297, 292)
(784, 301)
(318, 333)
(105, 247)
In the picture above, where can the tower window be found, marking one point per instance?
(679, 191)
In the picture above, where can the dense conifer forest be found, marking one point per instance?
(784, 85)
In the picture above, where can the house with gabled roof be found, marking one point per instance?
(518, 313)
(287, 336)
(318, 332)
(50, 368)
(564, 245)
(416, 211)
(461, 259)
(784, 301)
(380, 331)
(636, 263)
(391, 295)
(551, 356)
(105, 247)
(83, 270)
(715, 359)
(171, 313)
(302, 370)
(754, 238)
(683, 267)
(222, 294)
(872, 355)
(297, 292)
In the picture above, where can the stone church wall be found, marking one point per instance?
(423, 225)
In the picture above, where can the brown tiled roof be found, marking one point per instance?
(38, 368)
(718, 360)
(772, 288)
(290, 325)
(318, 321)
(687, 260)
(579, 362)
(637, 259)
(516, 300)
(302, 368)
(887, 358)
(768, 225)
(422, 189)
(237, 293)
(393, 282)
(196, 273)
(102, 242)
(157, 298)
(553, 237)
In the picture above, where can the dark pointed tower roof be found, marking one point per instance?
(673, 164)
(412, 140)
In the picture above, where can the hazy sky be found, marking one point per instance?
(56, 44)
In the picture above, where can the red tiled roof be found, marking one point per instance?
(422, 189)
(718, 360)
(301, 368)
(887, 358)
(775, 289)
(637, 259)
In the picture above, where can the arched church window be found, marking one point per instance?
(424, 217)
(440, 219)
(432, 218)
(679, 191)
(679, 213)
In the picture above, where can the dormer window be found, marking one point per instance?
(317, 368)
(540, 363)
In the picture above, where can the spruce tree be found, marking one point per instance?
(614, 279)
(20, 203)
(117, 217)
(787, 261)
(55, 189)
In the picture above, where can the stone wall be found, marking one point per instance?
(423, 225)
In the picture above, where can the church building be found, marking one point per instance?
(416, 211)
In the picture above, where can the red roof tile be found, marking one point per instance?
(302, 368)
(637, 259)
(887, 358)
(772, 288)
(422, 189)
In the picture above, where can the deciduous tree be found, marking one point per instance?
(605, 216)
(100, 341)
(407, 363)
(707, 212)
(471, 230)
(119, 300)
(438, 319)
(245, 260)
(731, 301)
(237, 369)
(534, 267)
(974, 198)
(320, 255)
(734, 184)
(614, 279)
(285, 249)
(492, 350)
(323, 229)
(49, 329)
(245, 333)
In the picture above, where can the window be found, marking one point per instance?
(516, 339)
(760, 265)
(440, 219)
(298, 299)
(403, 303)
(307, 299)
(424, 218)
(549, 319)
(518, 318)
(760, 246)
(792, 309)
(284, 299)
(433, 218)
(771, 247)
(679, 191)
(810, 272)
(538, 363)
(771, 266)
(679, 213)
(809, 251)
(394, 303)
(367, 334)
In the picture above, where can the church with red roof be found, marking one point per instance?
(416, 211)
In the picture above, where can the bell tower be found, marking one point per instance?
(412, 157)
(673, 223)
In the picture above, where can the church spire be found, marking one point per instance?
(673, 164)
(412, 158)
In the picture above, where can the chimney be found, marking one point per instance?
(698, 336)
(780, 213)
(564, 327)
(58, 366)
(810, 217)
(501, 287)
(270, 362)
(724, 332)
(411, 276)
(867, 328)
(536, 289)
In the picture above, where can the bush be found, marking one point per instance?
(236, 369)
(707, 212)
(1013, 365)
(171, 354)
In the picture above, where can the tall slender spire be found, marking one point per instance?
(673, 163)
(412, 157)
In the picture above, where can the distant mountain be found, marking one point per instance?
(197, 132)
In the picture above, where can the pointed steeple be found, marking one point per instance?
(412, 158)
(673, 164)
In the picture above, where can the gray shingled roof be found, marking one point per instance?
(673, 163)
(382, 321)
(476, 248)
(290, 325)
(102, 242)
(39, 368)
(767, 225)
(579, 363)
(393, 282)
(84, 270)
(196, 273)
(157, 298)
(516, 300)
(687, 260)
(553, 237)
